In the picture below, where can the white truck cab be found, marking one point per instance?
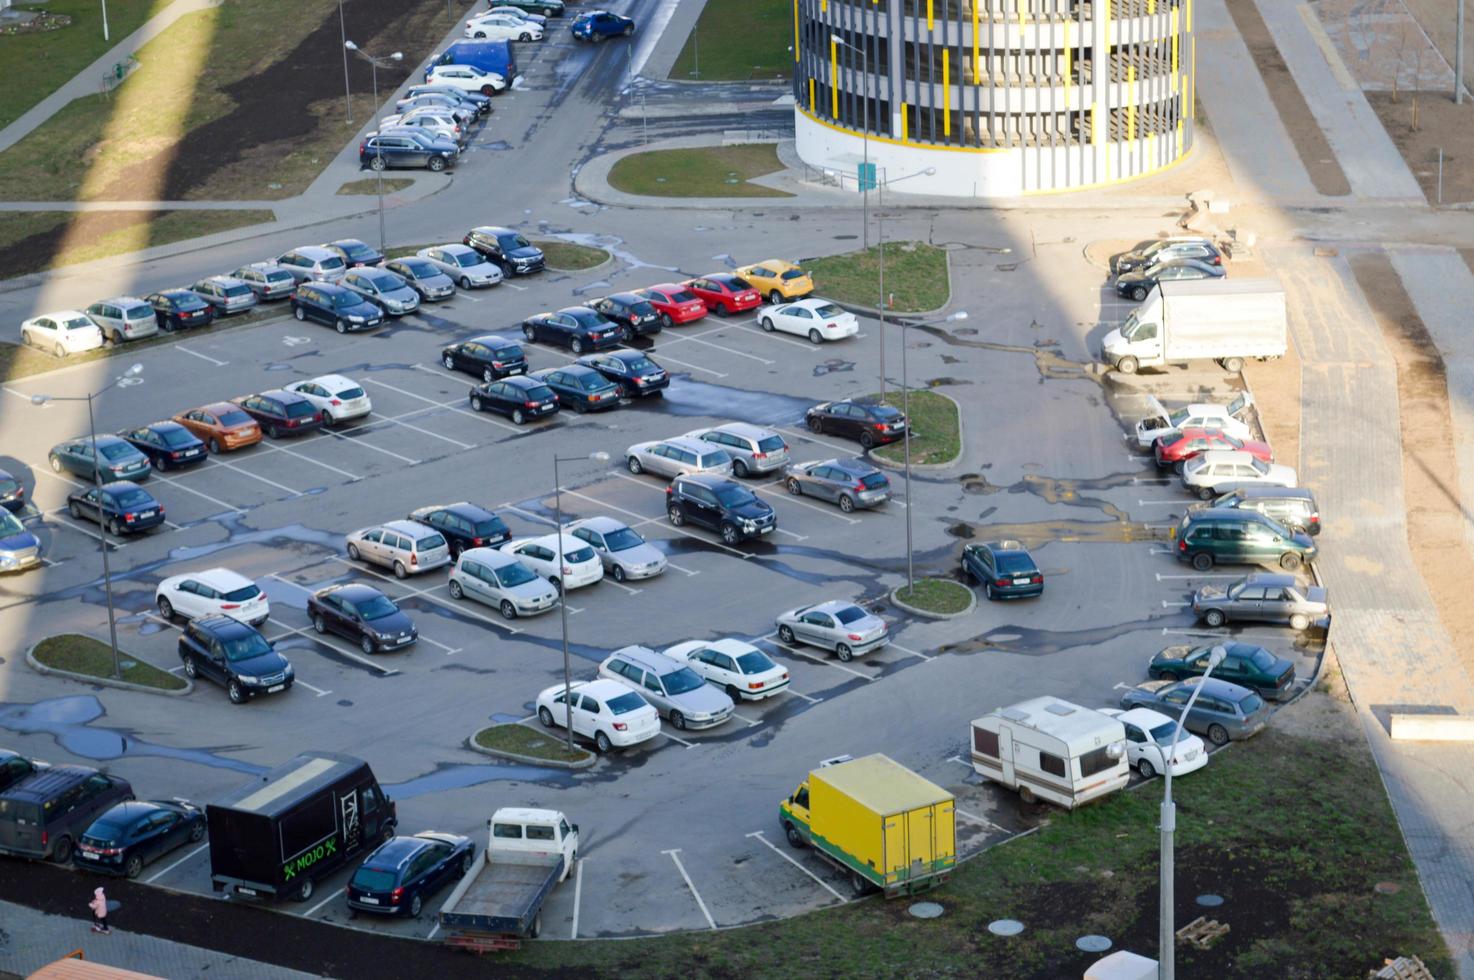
(540, 833)
(1231, 419)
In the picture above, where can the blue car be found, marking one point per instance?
(597, 25)
(166, 444)
(1004, 569)
(380, 151)
(19, 548)
(405, 871)
(338, 306)
(123, 506)
(136, 832)
(12, 493)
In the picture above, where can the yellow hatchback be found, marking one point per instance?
(778, 280)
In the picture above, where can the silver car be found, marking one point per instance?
(226, 293)
(754, 450)
(624, 553)
(1219, 470)
(123, 318)
(681, 456)
(466, 266)
(676, 691)
(461, 112)
(404, 546)
(1266, 597)
(313, 262)
(499, 580)
(424, 277)
(850, 483)
(387, 289)
(267, 280)
(835, 625)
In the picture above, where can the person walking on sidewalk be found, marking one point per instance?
(98, 905)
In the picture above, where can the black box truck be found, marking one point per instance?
(302, 821)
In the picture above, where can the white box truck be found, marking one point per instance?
(1052, 750)
(1223, 320)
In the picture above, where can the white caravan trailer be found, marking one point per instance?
(1051, 750)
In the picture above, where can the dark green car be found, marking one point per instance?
(1239, 537)
(120, 460)
(1243, 664)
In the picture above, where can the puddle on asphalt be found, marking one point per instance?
(1051, 364)
(1040, 533)
(449, 776)
(1036, 642)
(832, 366)
(692, 398)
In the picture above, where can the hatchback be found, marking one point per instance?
(634, 314)
(836, 625)
(718, 504)
(124, 318)
(1294, 507)
(675, 304)
(234, 656)
(501, 580)
(871, 423)
(582, 388)
(489, 356)
(222, 426)
(404, 872)
(598, 25)
(781, 280)
(384, 288)
(755, 451)
(267, 280)
(724, 294)
(108, 458)
(507, 248)
(67, 332)
(281, 413)
(122, 507)
(313, 262)
(47, 811)
(19, 548)
(624, 553)
(212, 592)
(226, 293)
(180, 309)
(1224, 712)
(1239, 536)
(424, 278)
(576, 327)
(356, 254)
(134, 833)
(335, 304)
(1176, 449)
(850, 482)
(740, 669)
(12, 493)
(363, 614)
(1220, 470)
(580, 566)
(519, 398)
(463, 264)
(603, 710)
(403, 546)
(167, 444)
(1243, 664)
(638, 374)
(465, 525)
(681, 456)
(339, 399)
(674, 689)
(1004, 569)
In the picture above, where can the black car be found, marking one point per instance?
(575, 327)
(339, 307)
(167, 444)
(515, 254)
(638, 374)
(1004, 569)
(720, 504)
(1136, 285)
(178, 309)
(364, 615)
(631, 311)
(281, 413)
(520, 398)
(872, 423)
(355, 253)
(1170, 250)
(14, 767)
(12, 494)
(464, 525)
(134, 833)
(398, 877)
(235, 656)
(491, 356)
(122, 505)
(581, 388)
(380, 152)
(42, 815)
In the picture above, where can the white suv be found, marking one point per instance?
(467, 77)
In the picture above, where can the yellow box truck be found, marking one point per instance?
(877, 821)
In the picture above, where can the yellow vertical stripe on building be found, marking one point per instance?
(1174, 42)
(1107, 5)
(1151, 7)
(903, 122)
(833, 79)
(1131, 102)
(1192, 86)
(795, 32)
(977, 58)
(812, 108)
(930, 14)
(823, 5)
(1189, 16)
(946, 93)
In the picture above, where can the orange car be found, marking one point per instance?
(221, 426)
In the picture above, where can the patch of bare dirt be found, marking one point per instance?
(1439, 124)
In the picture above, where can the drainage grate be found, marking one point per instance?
(1005, 927)
(1093, 944)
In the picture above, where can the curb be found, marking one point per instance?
(925, 467)
(528, 759)
(972, 604)
(892, 316)
(41, 668)
(608, 259)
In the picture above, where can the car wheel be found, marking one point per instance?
(415, 905)
(815, 337)
(678, 720)
(1146, 769)
(576, 345)
(190, 670)
(1218, 735)
(794, 487)
(55, 464)
(465, 282)
(795, 839)
(739, 468)
(733, 693)
(1202, 561)
(304, 890)
(134, 867)
(867, 440)
(1206, 493)
(236, 692)
(676, 517)
(537, 926)
(1233, 365)
(602, 743)
(508, 610)
(1138, 294)
(730, 534)
(376, 162)
(785, 635)
(1170, 675)
(775, 297)
(634, 466)
(846, 503)
(858, 884)
(299, 313)
(991, 593)
(1299, 621)
(273, 431)
(465, 865)
(1127, 365)
(1290, 561)
(62, 851)
(437, 164)
(166, 609)
(488, 90)
(480, 34)
(456, 592)
(629, 30)
(844, 653)
(517, 416)
(341, 326)
(366, 645)
(1026, 794)
(400, 571)
(197, 832)
(75, 510)
(816, 425)
(626, 334)
(488, 375)
(619, 573)
(59, 351)
(476, 403)
(665, 321)
(545, 716)
(524, 36)
(1215, 617)
(214, 446)
(114, 528)
(353, 552)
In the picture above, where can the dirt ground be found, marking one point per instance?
(1441, 124)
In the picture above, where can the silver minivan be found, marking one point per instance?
(676, 691)
(123, 318)
(313, 262)
(754, 450)
(406, 547)
(487, 575)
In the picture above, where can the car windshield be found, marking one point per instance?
(251, 645)
(373, 879)
(872, 481)
(625, 703)
(419, 269)
(234, 417)
(1163, 733)
(580, 554)
(376, 608)
(771, 444)
(754, 663)
(117, 451)
(8, 524)
(828, 310)
(682, 296)
(513, 240)
(507, 353)
(429, 542)
(128, 499)
(1014, 562)
(639, 365)
(345, 300)
(299, 410)
(243, 593)
(734, 496)
(850, 614)
(1251, 703)
(176, 436)
(1260, 465)
(467, 259)
(793, 274)
(681, 681)
(511, 575)
(144, 312)
(623, 539)
(1262, 659)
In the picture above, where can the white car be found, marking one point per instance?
(817, 319)
(440, 126)
(603, 710)
(462, 263)
(467, 77)
(213, 592)
(581, 565)
(740, 669)
(1218, 470)
(1227, 418)
(67, 332)
(501, 26)
(1149, 737)
(339, 399)
(497, 7)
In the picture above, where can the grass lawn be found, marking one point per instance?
(35, 65)
(569, 257)
(936, 595)
(528, 741)
(737, 40)
(936, 433)
(400, 251)
(707, 171)
(84, 655)
(915, 277)
(32, 241)
(370, 185)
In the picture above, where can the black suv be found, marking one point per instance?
(1294, 507)
(405, 871)
(633, 312)
(43, 815)
(464, 525)
(631, 368)
(1004, 569)
(490, 356)
(515, 254)
(364, 615)
(719, 504)
(235, 656)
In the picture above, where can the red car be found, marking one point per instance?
(675, 304)
(1174, 450)
(724, 293)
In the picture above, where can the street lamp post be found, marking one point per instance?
(107, 578)
(880, 247)
(377, 62)
(906, 439)
(1167, 933)
(562, 592)
(864, 138)
(347, 92)
(106, 38)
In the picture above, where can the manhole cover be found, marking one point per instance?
(925, 910)
(1210, 901)
(1387, 888)
(1093, 944)
(1005, 927)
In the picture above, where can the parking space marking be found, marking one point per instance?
(1161, 577)
(812, 348)
(959, 760)
(47, 471)
(729, 350)
(800, 694)
(685, 571)
(696, 367)
(913, 653)
(203, 357)
(304, 457)
(1161, 503)
(111, 543)
(773, 639)
(203, 847)
(647, 520)
(538, 518)
(1209, 634)
(577, 895)
(399, 420)
(673, 738)
(974, 818)
(758, 836)
(747, 721)
(694, 893)
(1171, 603)
(188, 489)
(426, 594)
(776, 489)
(318, 907)
(433, 930)
(448, 406)
(368, 445)
(320, 691)
(1123, 687)
(646, 483)
(323, 638)
(609, 580)
(811, 437)
(1159, 481)
(513, 285)
(242, 470)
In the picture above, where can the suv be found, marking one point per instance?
(1294, 507)
(719, 504)
(42, 815)
(233, 655)
(337, 305)
(754, 450)
(1170, 250)
(1004, 569)
(380, 151)
(1239, 536)
(313, 262)
(508, 249)
(676, 691)
(464, 525)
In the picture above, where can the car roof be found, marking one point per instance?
(461, 508)
(224, 280)
(1007, 546)
(455, 248)
(395, 852)
(1272, 493)
(316, 252)
(162, 424)
(569, 541)
(106, 439)
(215, 408)
(352, 591)
(334, 381)
(625, 296)
(1228, 514)
(223, 578)
(411, 528)
(348, 241)
(269, 265)
(490, 556)
(745, 429)
(1218, 686)
(646, 657)
(124, 299)
(834, 605)
(47, 782)
(129, 810)
(730, 645)
(489, 339)
(524, 382)
(526, 814)
(1272, 578)
(61, 315)
(332, 288)
(626, 354)
(851, 464)
(1147, 718)
(601, 523)
(709, 480)
(1226, 456)
(667, 287)
(604, 688)
(493, 230)
(117, 486)
(281, 395)
(687, 442)
(223, 624)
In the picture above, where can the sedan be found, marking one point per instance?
(520, 399)
(335, 304)
(339, 399)
(740, 669)
(466, 266)
(356, 254)
(267, 280)
(388, 290)
(1136, 285)
(222, 426)
(634, 314)
(850, 483)
(680, 456)
(124, 318)
(638, 374)
(576, 327)
(132, 834)
(1176, 449)
(1004, 569)
(212, 592)
(873, 424)
(423, 277)
(1217, 470)
(1263, 597)
(603, 710)
(282, 413)
(405, 872)
(499, 580)
(179, 309)
(600, 25)
(582, 388)
(580, 566)
(1170, 250)
(489, 356)
(67, 332)
(624, 553)
(1150, 736)
(1224, 712)
(167, 444)
(123, 507)
(363, 614)
(817, 319)
(1243, 664)
(226, 294)
(120, 460)
(835, 625)
(724, 293)
(503, 27)
(779, 279)
(675, 304)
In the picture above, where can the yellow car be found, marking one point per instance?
(778, 280)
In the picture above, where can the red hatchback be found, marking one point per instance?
(725, 293)
(1174, 450)
(675, 304)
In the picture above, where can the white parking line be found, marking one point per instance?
(203, 847)
(757, 329)
(448, 406)
(538, 518)
(1160, 503)
(799, 694)
(427, 594)
(664, 357)
(513, 285)
(323, 638)
(320, 691)
(685, 571)
(609, 580)
(433, 930)
(242, 470)
(914, 653)
(1161, 577)
(959, 760)
(747, 721)
(1168, 603)
(674, 738)
(334, 894)
(974, 818)
(399, 420)
(304, 457)
(694, 893)
(577, 895)
(758, 836)
(645, 483)
(378, 449)
(111, 542)
(729, 350)
(773, 639)
(811, 437)
(646, 520)
(188, 489)
(203, 357)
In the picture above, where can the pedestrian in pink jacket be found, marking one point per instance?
(98, 905)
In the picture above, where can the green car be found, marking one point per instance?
(1239, 536)
(120, 461)
(548, 8)
(1243, 664)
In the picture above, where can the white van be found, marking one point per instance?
(1051, 750)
